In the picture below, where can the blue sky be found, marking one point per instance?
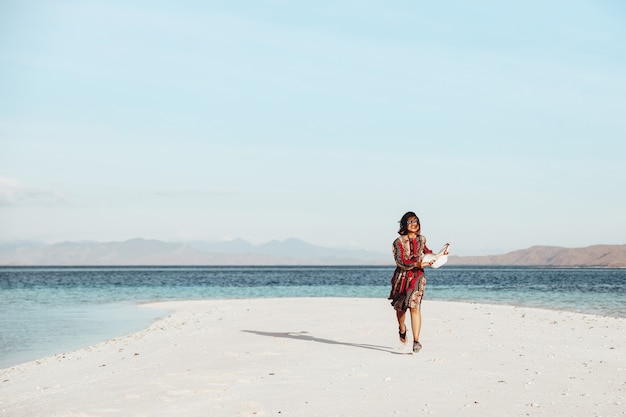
(500, 123)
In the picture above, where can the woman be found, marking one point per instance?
(409, 280)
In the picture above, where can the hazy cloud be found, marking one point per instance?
(13, 193)
(194, 192)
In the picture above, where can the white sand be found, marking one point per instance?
(334, 357)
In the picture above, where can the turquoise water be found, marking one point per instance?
(44, 311)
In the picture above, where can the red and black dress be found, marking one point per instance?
(408, 282)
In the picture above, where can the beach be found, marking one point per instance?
(334, 357)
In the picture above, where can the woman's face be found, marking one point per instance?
(413, 225)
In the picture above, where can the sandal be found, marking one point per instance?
(402, 335)
(416, 346)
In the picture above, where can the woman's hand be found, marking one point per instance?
(424, 264)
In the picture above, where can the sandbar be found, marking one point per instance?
(334, 357)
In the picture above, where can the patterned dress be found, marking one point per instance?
(408, 283)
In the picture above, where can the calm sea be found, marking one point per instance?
(44, 311)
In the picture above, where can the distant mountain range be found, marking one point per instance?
(155, 252)
(288, 252)
(608, 256)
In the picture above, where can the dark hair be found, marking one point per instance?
(403, 222)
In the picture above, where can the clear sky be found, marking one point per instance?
(501, 123)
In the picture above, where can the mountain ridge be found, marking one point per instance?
(608, 256)
(292, 251)
(147, 252)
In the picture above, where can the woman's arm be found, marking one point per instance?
(404, 260)
(426, 250)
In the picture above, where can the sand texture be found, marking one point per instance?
(334, 357)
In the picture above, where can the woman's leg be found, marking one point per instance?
(400, 315)
(416, 323)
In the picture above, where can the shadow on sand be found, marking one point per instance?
(303, 336)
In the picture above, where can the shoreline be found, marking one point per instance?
(333, 356)
(154, 305)
(140, 304)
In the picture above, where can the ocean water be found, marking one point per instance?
(50, 310)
